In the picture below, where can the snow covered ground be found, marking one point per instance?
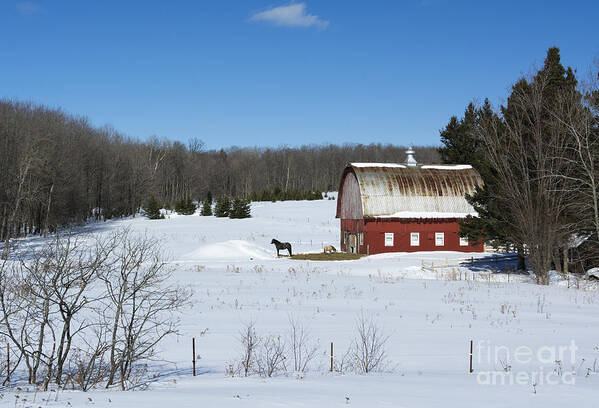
(430, 316)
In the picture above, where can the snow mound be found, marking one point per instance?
(229, 251)
(593, 273)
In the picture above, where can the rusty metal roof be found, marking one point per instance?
(415, 192)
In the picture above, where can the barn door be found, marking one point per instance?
(353, 243)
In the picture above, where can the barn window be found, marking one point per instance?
(361, 238)
(414, 239)
(388, 239)
(439, 238)
(463, 241)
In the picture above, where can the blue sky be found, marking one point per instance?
(270, 73)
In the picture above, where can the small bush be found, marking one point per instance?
(271, 357)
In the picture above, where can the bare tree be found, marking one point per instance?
(42, 301)
(87, 365)
(142, 300)
(85, 308)
(249, 349)
(63, 273)
(580, 120)
(28, 320)
(367, 350)
(524, 150)
(301, 348)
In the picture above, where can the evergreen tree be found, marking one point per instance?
(529, 112)
(240, 208)
(206, 208)
(223, 206)
(152, 209)
(461, 144)
(185, 206)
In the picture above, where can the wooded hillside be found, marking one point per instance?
(56, 169)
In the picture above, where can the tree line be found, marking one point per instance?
(538, 155)
(56, 169)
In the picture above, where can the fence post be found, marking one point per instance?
(331, 356)
(471, 356)
(193, 347)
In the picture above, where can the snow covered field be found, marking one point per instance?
(430, 316)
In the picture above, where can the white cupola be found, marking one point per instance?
(410, 160)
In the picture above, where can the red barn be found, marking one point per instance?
(387, 207)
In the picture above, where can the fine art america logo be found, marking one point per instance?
(525, 365)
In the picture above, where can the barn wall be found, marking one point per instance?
(352, 227)
(374, 235)
(349, 205)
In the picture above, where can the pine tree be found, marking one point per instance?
(152, 209)
(497, 222)
(185, 206)
(206, 208)
(240, 208)
(223, 206)
(461, 144)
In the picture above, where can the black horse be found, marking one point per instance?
(281, 245)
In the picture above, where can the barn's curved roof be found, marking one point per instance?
(396, 191)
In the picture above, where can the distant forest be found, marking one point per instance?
(57, 170)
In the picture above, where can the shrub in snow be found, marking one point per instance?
(366, 352)
(268, 355)
(271, 356)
